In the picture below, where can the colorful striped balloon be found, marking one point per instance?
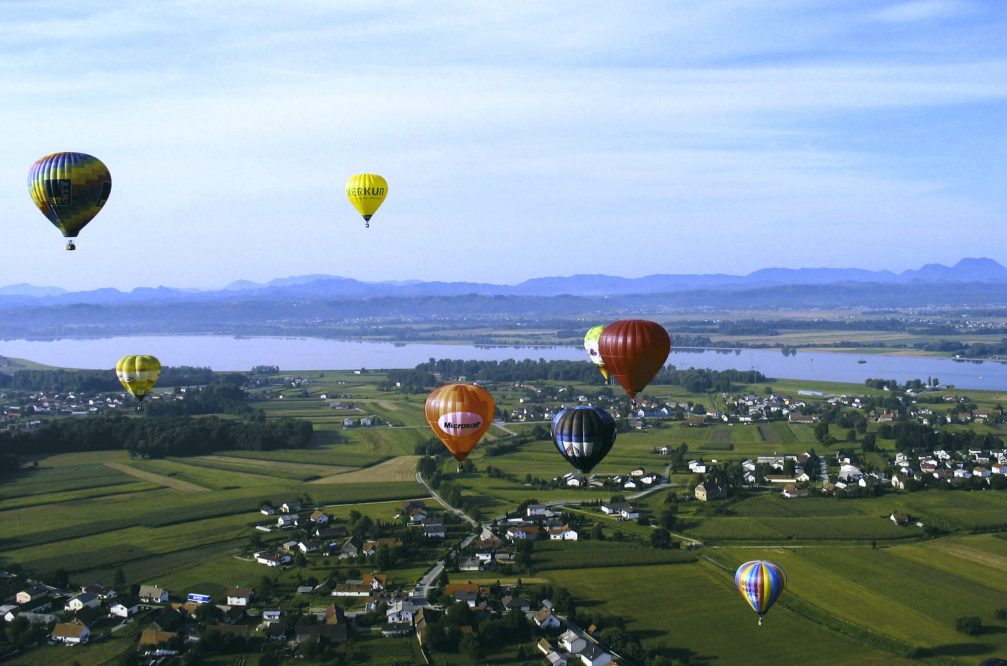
(69, 189)
(761, 583)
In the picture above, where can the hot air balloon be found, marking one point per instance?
(760, 582)
(459, 414)
(138, 373)
(69, 189)
(366, 191)
(584, 436)
(634, 350)
(591, 347)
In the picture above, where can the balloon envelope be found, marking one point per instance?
(760, 582)
(591, 347)
(634, 350)
(459, 414)
(583, 435)
(69, 189)
(366, 191)
(138, 373)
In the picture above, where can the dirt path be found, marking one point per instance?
(402, 468)
(159, 479)
(307, 468)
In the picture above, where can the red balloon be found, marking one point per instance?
(634, 350)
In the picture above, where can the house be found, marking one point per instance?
(271, 615)
(319, 518)
(153, 594)
(554, 658)
(33, 592)
(981, 472)
(239, 596)
(153, 636)
(535, 510)
(85, 600)
(276, 631)
(850, 473)
(572, 642)
(899, 518)
(592, 655)
(267, 510)
(400, 611)
(563, 533)
(544, 619)
(523, 533)
(708, 490)
(312, 633)
(293, 506)
(791, 491)
(272, 558)
(71, 633)
(515, 603)
(899, 481)
(467, 592)
(288, 521)
(124, 608)
(614, 508)
(433, 528)
(350, 547)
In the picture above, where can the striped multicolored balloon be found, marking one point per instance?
(760, 582)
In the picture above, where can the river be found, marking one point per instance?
(228, 353)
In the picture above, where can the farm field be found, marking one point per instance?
(187, 523)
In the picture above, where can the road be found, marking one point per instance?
(458, 512)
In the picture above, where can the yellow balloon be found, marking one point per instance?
(366, 191)
(138, 373)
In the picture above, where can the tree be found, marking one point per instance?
(660, 538)
(469, 646)
(970, 625)
(598, 532)
(668, 519)
(870, 442)
(120, 578)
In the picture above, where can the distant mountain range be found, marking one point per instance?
(312, 287)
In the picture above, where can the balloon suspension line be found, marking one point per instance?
(367, 224)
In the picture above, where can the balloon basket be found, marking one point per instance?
(70, 246)
(760, 620)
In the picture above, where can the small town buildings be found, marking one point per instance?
(400, 611)
(272, 558)
(791, 491)
(239, 596)
(544, 619)
(124, 608)
(71, 633)
(85, 600)
(33, 592)
(153, 594)
(708, 490)
(292, 506)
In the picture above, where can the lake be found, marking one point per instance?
(228, 353)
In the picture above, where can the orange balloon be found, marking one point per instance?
(459, 414)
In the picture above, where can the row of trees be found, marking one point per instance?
(157, 437)
(61, 381)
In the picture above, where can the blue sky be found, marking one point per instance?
(519, 139)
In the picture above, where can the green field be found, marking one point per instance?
(861, 590)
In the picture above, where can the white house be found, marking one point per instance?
(400, 611)
(239, 596)
(292, 506)
(592, 655)
(125, 608)
(85, 600)
(153, 594)
(267, 510)
(71, 633)
(563, 533)
(272, 559)
(287, 521)
(535, 510)
(544, 619)
(572, 642)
